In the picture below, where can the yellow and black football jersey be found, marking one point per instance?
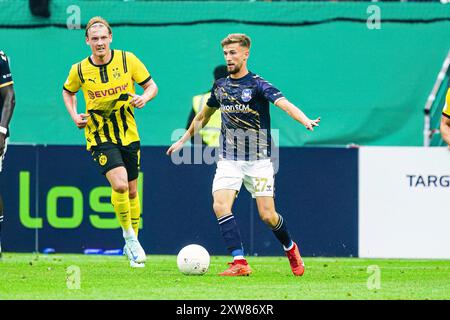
(446, 110)
(105, 89)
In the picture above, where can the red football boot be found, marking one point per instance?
(237, 268)
(297, 264)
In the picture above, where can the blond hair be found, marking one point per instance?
(242, 39)
(95, 20)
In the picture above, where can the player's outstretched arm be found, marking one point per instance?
(7, 94)
(199, 121)
(150, 91)
(296, 114)
(70, 101)
(445, 129)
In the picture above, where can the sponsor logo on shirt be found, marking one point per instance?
(107, 92)
(235, 108)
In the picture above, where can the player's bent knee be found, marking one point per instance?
(220, 208)
(120, 187)
(132, 189)
(267, 219)
(266, 211)
(268, 216)
(132, 194)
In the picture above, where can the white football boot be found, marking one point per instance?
(132, 263)
(137, 264)
(134, 251)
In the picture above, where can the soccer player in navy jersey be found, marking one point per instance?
(7, 103)
(243, 99)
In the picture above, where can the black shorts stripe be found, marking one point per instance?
(104, 74)
(80, 73)
(124, 120)
(96, 124)
(116, 127)
(124, 60)
(445, 115)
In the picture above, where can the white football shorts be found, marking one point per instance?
(257, 175)
(3, 155)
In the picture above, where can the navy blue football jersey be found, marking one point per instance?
(244, 105)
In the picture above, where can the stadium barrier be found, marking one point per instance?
(55, 197)
(374, 202)
(402, 196)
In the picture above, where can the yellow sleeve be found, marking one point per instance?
(138, 70)
(73, 83)
(446, 109)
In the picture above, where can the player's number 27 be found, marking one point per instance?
(260, 184)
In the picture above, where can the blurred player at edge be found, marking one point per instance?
(7, 103)
(107, 80)
(445, 120)
(243, 98)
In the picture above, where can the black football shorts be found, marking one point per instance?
(109, 156)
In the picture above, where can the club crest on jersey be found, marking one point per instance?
(246, 95)
(116, 73)
(102, 159)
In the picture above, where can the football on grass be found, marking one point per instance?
(193, 260)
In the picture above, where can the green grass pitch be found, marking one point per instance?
(28, 276)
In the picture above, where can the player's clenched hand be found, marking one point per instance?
(81, 120)
(137, 101)
(174, 147)
(310, 124)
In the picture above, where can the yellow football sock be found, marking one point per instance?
(121, 205)
(135, 209)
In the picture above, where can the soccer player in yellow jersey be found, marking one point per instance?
(445, 120)
(107, 80)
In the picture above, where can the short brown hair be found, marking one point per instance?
(242, 39)
(95, 20)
